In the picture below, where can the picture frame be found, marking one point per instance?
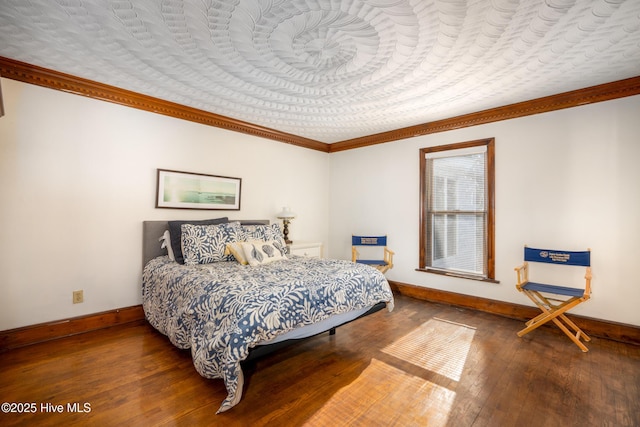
(189, 190)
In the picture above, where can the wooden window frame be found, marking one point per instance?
(489, 256)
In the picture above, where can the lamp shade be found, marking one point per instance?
(286, 213)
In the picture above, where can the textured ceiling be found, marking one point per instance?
(331, 70)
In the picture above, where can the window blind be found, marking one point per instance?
(456, 210)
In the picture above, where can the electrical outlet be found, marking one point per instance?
(78, 297)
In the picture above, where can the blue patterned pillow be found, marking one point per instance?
(266, 233)
(204, 244)
(175, 232)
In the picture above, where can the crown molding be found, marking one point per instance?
(40, 76)
(27, 73)
(590, 95)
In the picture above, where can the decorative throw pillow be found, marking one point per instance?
(175, 232)
(235, 249)
(204, 244)
(258, 252)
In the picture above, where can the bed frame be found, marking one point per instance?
(152, 231)
(263, 350)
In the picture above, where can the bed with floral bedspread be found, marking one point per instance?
(221, 310)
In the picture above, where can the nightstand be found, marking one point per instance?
(308, 249)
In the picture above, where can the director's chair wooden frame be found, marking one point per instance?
(554, 301)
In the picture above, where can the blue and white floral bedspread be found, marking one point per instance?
(223, 309)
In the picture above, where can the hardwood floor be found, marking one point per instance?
(422, 364)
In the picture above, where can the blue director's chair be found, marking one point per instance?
(553, 300)
(383, 264)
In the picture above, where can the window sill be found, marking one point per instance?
(458, 275)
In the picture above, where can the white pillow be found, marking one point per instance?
(258, 252)
(166, 243)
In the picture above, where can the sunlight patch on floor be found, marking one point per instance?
(437, 345)
(384, 395)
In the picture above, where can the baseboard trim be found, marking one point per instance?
(27, 335)
(20, 337)
(595, 327)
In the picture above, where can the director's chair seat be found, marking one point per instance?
(553, 300)
(383, 264)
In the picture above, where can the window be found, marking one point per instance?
(457, 215)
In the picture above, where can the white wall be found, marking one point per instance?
(78, 177)
(568, 179)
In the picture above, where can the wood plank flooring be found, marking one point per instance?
(422, 364)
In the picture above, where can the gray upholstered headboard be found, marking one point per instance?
(153, 230)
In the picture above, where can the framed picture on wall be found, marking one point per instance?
(187, 190)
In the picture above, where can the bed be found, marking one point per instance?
(234, 293)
